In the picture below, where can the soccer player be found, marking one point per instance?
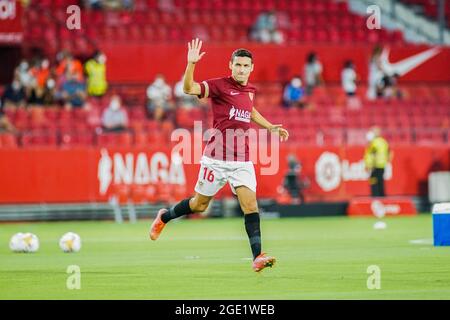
(232, 104)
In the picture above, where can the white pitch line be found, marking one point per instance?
(421, 241)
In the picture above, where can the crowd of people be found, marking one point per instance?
(381, 84)
(67, 83)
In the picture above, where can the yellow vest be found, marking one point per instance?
(377, 153)
(96, 82)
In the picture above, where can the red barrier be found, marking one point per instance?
(90, 174)
(381, 207)
(272, 62)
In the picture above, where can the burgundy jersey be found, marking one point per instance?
(232, 105)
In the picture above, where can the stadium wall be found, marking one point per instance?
(272, 62)
(93, 174)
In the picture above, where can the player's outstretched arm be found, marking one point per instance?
(263, 122)
(193, 56)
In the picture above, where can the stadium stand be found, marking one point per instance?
(423, 119)
(429, 8)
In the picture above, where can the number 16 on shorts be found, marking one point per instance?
(209, 181)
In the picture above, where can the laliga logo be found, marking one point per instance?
(330, 171)
(379, 209)
(128, 170)
(7, 9)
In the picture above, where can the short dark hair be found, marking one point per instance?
(241, 53)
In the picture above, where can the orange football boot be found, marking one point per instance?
(157, 225)
(262, 261)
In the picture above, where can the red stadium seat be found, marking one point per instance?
(8, 141)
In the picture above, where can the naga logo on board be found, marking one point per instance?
(138, 169)
(7, 9)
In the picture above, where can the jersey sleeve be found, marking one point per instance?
(210, 88)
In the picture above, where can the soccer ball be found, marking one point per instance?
(70, 242)
(24, 242)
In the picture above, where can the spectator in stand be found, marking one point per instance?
(14, 95)
(5, 124)
(294, 94)
(25, 77)
(50, 88)
(159, 94)
(265, 29)
(115, 118)
(348, 81)
(73, 91)
(40, 72)
(93, 4)
(182, 99)
(375, 73)
(96, 75)
(69, 64)
(313, 72)
(348, 78)
(388, 87)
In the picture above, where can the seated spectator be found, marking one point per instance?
(14, 95)
(388, 87)
(96, 75)
(348, 79)
(73, 91)
(50, 89)
(40, 72)
(159, 94)
(23, 74)
(69, 64)
(294, 95)
(93, 4)
(313, 73)
(115, 118)
(182, 99)
(5, 124)
(348, 82)
(265, 29)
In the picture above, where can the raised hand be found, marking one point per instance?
(194, 54)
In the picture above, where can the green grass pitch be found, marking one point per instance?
(318, 258)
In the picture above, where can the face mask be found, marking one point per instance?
(23, 66)
(50, 83)
(102, 59)
(296, 83)
(45, 64)
(115, 105)
(370, 136)
(16, 85)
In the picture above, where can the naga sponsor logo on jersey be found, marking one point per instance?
(240, 115)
